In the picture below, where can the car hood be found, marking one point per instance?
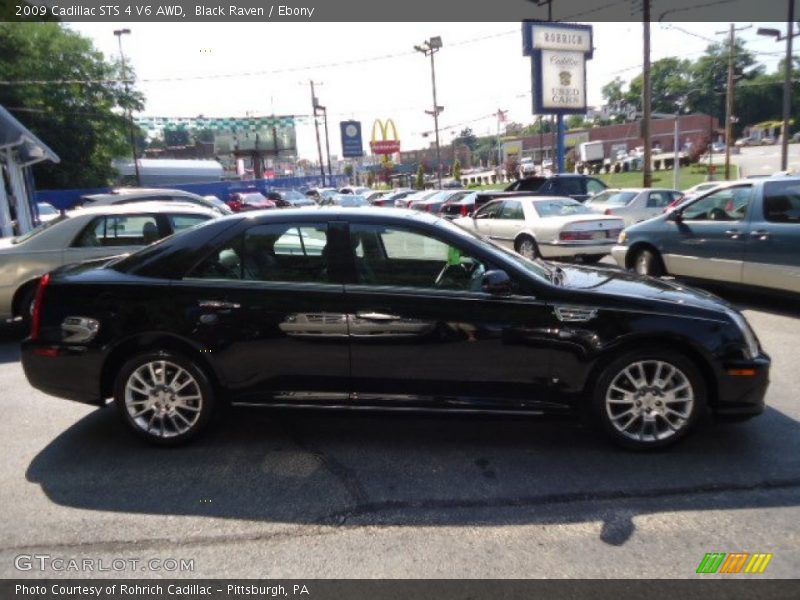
(613, 282)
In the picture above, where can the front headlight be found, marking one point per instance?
(622, 237)
(747, 333)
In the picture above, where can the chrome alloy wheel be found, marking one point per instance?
(527, 249)
(163, 399)
(649, 400)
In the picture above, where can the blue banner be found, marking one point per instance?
(351, 139)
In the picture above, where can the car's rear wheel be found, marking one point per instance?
(649, 399)
(164, 397)
(526, 246)
(648, 262)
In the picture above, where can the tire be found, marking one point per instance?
(164, 398)
(659, 409)
(526, 246)
(24, 308)
(648, 262)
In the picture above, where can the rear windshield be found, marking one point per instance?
(37, 230)
(618, 198)
(560, 208)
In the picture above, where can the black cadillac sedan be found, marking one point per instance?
(389, 309)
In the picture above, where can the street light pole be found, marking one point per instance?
(787, 81)
(314, 106)
(429, 48)
(119, 33)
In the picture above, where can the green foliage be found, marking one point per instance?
(84, 123)
(457, 169)
(420, 179)
(176, 137)
(348, 170)
(466, 138)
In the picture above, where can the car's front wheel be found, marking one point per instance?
(649, 399)
(164, 397)
(648, 262)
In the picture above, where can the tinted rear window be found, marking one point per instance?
(782, 201)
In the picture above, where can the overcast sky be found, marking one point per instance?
(480, 69)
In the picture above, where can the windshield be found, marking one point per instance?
(37, 230)
(560, 208)
(611, 197)
(46, 209)
(293, 195)
(252, 198)
(352, 200)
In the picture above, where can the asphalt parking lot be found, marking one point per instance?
(300, 494)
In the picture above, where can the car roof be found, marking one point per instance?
(155, 206)
(325, 213)
(137, 191)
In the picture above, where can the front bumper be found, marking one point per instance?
(70, 372)
(742, 386)
(619, 253)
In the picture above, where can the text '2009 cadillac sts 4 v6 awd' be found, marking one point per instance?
(384, 308)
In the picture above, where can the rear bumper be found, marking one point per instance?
(553, 249)
(742, 387)
(70, 372)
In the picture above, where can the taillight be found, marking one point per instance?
(608, 211)
(36, 317)
(464, 210)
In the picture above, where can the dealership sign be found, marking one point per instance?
(558, 65)
(351, 139)
(384, 137)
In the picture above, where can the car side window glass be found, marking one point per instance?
(729, 204)
(488, 211)
(594, 187)
(658, 200)
(512, 209)
(278, 252)
(128, 230)
(568, 186)
(395, 256)
(782, 202)
(181, 222)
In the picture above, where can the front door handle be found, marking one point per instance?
(218, 304)
(376, 316)
(761, 234)
(734, 234)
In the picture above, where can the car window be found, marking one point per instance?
(511, 209)
(489, 211)
(560, 208)
(614, 197)
(395, 256)
(729, 204)
(658, 199)
(181, 222)
(568, 186)
(279, 252)
(782, 202)
(594, 187)
(111, 231)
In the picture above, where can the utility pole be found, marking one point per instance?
(787, 80)
(119, 33)
(316, 129)
(429, 48)
(647, 175)
(729, 95)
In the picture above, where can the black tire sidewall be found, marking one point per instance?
(206, 412)
(654, 266)
(610, 371)
(524, 238)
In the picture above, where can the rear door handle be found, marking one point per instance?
(218, 304)
(761, 234)
(734, 234)
(376, 316)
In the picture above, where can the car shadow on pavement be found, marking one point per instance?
(10, 336)
(343, 468)
(768, 302)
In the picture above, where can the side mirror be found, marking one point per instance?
(676, 215)
(497, 282)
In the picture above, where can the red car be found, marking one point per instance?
(242, 201)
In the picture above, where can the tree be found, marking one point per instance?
(514, 128)
(84, 123)
(467, 138)
(176, 137)
(577, 122)
(671, 79)
(420, 181)
(457, 169)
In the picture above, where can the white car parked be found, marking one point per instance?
(633, 204)
(84, 234)
(546, 227)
